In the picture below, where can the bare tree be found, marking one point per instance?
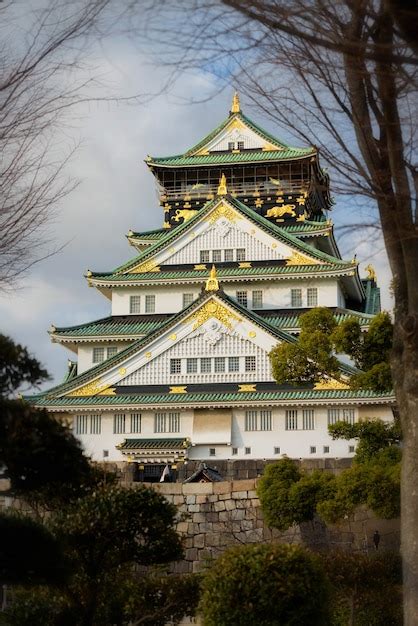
(340, 74)
(42, 75)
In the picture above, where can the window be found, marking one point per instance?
(312, 296)
(247, 450)
(291, 419)
(111, 351)
(349, 416)
(240, 145)
(174, 422)
(136, 422)
(240, 254)
(187, 299)
(257, 299)
(175, 366)
(234, 451)
(204, 256)
(219, 364)
(119, 423)
(296, 297)
(326, 449)
(98, 355)
(242, 298)
(191, 366)
(212, 451)
(351, 449)
(149, 304)
(216, 256)
(95, 424)
(250, 420)
(205, 365)
(81, 422)
(308, 419)
(135, 304)
(276, 450)
(313, 449)
(250, 363)
(333, 416)
(265, 420)
(231, 145)
(233, 364)
(228, 255)
(160, 422)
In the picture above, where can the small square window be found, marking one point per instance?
(250, 363)
(313, 449)
(326, 449)
(150, 304)
(98, 355)
(175, 366)
(187, 299)
(276, 450)
(351, 449)
(216, 256)
(241, 254)
(212, 451)
(234, 451)
(228, 255)
(204, 256)
(219, 364)
(247, 450)
(191, 366)
(240, 145)
(296, 297)
(231, 145)
(205, 365)
(242, 298)
(134, 304)
(233, 364)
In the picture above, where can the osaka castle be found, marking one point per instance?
(179, 373)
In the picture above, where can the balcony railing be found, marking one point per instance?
(208, 191)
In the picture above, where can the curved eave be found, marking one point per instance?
(243, 399)
(225, 158)
(155, 278)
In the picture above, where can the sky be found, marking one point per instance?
(116, 192)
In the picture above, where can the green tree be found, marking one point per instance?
(265, 585)
(311, 357)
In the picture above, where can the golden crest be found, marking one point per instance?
(94, 388)
(185, 213)
(213, 309)
(280, 211)
(331, 383)
(212, 283)
(223, 210)
(173, 337)
(247, 388)
(178, 389)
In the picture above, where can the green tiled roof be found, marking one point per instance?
(187, 159)
(130, 328)
(257, 219)
(224, 273)
(153, 444)
(305, 227)
(148, 234)
(219, 398)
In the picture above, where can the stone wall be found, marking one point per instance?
(215, 516)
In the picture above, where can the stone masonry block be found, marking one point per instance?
(219, 506)
(222, 487)
(243, 485)
(199, 541)
(199, 517)
(238, 514)
(194, 508)
(190, 499)
(201, 499)
(239, 495)
(229, 505)
(198, 488)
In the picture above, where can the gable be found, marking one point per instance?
(236, 130)
(222, 227)
(213, 328)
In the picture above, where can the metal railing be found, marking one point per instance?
(208, 191)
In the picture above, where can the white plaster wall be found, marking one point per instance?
(85, 353)
(276, 294)
(293, 443)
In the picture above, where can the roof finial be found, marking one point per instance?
(222, 190)
(212, 282)
(371, 272)
(235, 106)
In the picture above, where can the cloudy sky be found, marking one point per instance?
(116, 192)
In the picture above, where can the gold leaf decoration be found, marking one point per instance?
(300, 259)
(94, 388)
(222, 210)
(178, 389)
(213, 309)
(247, 388)
(331, 383)
(143, 268)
